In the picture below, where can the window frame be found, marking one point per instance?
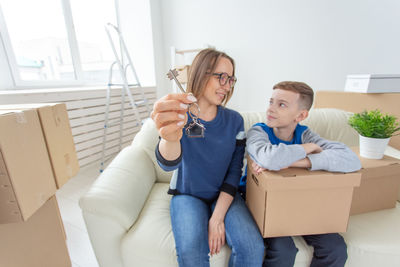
(18, 83)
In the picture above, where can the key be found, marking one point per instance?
(195, 128)
(172, 74)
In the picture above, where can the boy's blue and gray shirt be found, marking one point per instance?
(271, 153)
(211, 164)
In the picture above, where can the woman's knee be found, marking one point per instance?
(254, 249)
(242, 233)
(192, 252)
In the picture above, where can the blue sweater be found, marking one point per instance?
(211, 164)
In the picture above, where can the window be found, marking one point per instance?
(39, 40)
(57, 42)
(90, 17)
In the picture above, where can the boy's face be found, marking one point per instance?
(284, 109)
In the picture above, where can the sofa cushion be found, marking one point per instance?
(373, 239)
(148, 138)
(332, 124)
(150, 241)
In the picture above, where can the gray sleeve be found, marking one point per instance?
(335, 157)
(269, 156)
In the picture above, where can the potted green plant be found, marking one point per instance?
(375, 130)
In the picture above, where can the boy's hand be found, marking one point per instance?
(256, 168)
(303, 163)
(311, 148)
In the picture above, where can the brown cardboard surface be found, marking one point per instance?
(183, 73)
(8, 203)
(38, 242)
(60, 143)
(58, 136)
(380, 184)
(27, 176)
(296, 201)
(358, 102)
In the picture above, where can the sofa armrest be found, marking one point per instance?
(121, 190)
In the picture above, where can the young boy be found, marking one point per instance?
(283, 143)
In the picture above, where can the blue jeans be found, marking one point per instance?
(190, 216)
(330, 250)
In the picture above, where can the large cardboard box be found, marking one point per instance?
(380, 184)
(58, 136)
(26, 177)
(38, 242)
(297, 201)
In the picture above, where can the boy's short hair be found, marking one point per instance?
(305, 91)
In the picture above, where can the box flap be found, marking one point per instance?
(60, 144)
(277, 182)
(25, 156)
(299, 178)
(5, 112)
(375, 163)
(25, 106)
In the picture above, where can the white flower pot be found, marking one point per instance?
(373, 148)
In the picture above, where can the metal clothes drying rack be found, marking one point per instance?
(125, 90)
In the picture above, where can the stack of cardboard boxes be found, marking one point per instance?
(37, 157)
(296, 201)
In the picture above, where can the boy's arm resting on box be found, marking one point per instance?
(335, 156)
(269, 156)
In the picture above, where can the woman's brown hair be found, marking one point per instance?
(201, 70)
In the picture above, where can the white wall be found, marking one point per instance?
(315, 41)
(136, 26)
(158, 45)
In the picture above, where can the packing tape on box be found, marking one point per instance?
(20, 117)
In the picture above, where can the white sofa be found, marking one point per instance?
(127, 209)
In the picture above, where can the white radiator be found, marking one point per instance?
(86, 111)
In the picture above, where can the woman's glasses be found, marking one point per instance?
(225, 78)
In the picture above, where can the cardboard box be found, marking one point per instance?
(380, 185)
(297, 201)
(373, 83)
(183, 73)
(38, 242)
(59, 141)
(26, 177)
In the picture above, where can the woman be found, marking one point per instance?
(206, 210)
